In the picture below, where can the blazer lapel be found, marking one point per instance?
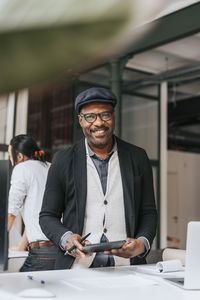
(80, 178)
(127, 175)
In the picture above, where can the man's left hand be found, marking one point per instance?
(131, 248)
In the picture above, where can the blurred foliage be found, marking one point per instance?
(40, 39)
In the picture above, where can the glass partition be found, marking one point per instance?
(140, 123)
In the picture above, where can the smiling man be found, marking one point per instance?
(97, 121)
(101, 185)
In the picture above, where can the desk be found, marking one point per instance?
(16, 260)
(93, 284)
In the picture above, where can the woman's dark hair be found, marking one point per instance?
(26, 145)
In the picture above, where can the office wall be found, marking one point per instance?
(183, 193)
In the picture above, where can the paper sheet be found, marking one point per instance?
(113, 282)
(152, 270)
(173, 265)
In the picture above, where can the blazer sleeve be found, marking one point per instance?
(53, 201)
(147, 218)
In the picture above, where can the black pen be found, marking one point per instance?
(74, 247)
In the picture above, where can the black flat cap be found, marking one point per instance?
(95, 94)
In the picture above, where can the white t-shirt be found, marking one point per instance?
(26, 194)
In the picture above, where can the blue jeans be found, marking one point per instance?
(41, 259)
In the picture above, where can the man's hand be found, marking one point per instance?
(131, 248)
(73, 240)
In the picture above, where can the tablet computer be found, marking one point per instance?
(100, 247)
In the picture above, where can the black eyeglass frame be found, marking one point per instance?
(99, 114)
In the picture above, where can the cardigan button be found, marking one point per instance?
(105, 202)
(105, 230)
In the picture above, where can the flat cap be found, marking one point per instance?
(95, 94)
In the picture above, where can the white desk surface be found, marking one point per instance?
(102, 283)
(17, 254)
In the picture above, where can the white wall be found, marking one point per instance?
(3, 118)
(183, 193)
(7, 111)
(163, 163)
(22, 112)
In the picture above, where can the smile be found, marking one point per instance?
(99, 132)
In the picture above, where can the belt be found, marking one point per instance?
(39, 244)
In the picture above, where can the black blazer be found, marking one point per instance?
(66, 191)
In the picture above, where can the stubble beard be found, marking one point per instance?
(99, 143)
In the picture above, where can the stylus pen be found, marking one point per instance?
(74, 247)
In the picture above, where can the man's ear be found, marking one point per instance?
(80, 120)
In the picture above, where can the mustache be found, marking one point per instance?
(99, 128)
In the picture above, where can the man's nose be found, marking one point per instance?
(98, 121)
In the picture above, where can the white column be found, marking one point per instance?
(163, 163)
(10, 117)
(22, 112)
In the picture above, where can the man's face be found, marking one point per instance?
(99, 133)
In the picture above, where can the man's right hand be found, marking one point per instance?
(74, 240)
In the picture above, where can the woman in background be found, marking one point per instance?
(26, 193)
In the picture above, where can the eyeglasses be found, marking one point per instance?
(104, 116)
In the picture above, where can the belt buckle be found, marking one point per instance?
(37, 245)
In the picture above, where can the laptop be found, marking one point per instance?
(191, 280)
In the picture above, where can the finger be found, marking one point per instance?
(78, 245)
(70, 242)
(112, 252)
(129, 244)
(115, 251)
(80, 253)
(75, 253)
(72, 253)
(86, 242)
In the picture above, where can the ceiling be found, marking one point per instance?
(172, 6)
(181, 58)
(178, 63)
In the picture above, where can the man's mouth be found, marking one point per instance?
(99, 131)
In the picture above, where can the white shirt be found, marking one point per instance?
(26, 194)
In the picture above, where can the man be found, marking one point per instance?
(101, 185)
